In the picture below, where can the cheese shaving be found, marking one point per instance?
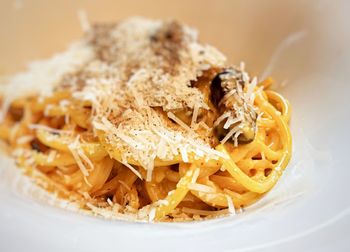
(230, 121)
(152, 214)
(137, 173)
(201, 188)
(231, 207)
(178, 121)
(49, 129)
(72, 147)
(24, 139)
(230, 134)
(221, 118)
(195, 175)
(52, 155)
(235, 137)
(110, 202)
(84, 157)
(194, 116)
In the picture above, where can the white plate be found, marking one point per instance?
(309, 210)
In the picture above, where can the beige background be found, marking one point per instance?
(244, 30)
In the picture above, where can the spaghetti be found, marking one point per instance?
(152, 125)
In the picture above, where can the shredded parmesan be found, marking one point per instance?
(84, 157)
(231, 207)
(152, 214)
(163, 202)
(227, 96)
(195, 175)
(42, 76)
(236, 137)
(178, 121)
(49, 129)
(194, 115)
(24, 139)
(230, 134)
(249, 95)
(184, 156)
(137, 173)
(110, 202)
(204, 126)
(221, 118)
(128, 100)
(73, 149)
(52, 155)
(201, 188)
(230, 121)
(86, 195)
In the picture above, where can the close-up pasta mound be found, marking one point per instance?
(139, 119)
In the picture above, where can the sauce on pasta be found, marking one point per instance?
(145, 121)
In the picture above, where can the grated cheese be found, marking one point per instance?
(178, 121)
(195, 175)
(249, 95)
(227, 96)
(221, 118)
(52, 155)
(42, 76)
(86, 195)
(128, 99)
(184, 156)
(24, 139)
(72, 147)
(84, 157)
(163, 202)
(194, 115)
(201, 188)
(137, 173)
(230, 121)
(110, 202)
(49, 129)
(149, 172)
(235, 137)
(231, 207)
(203, 125)
(230, 134)
(152, 214)
(129, 119)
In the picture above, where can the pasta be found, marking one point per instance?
(147, 153)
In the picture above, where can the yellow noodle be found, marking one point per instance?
(197, 186)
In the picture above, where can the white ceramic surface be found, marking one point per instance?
(309, 210)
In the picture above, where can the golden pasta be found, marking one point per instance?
(154, 133)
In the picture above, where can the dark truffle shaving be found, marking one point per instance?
(227, 94)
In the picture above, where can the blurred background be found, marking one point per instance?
(249, 31)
